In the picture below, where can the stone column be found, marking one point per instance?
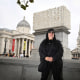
(77, 55)
(15, 50)
(22, 45)
(18, 47)
(7, 46)
(29, 48)
(3, 42)
(26, 48)
(32, 44)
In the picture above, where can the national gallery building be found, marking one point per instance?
(17, 41)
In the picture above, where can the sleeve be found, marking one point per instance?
(42, 52)
(59, 53)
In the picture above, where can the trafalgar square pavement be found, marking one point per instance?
(13, 68)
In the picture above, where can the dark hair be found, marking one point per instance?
(51, 29)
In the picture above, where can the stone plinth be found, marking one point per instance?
(59, 20)
(55, 17)
(61, 35)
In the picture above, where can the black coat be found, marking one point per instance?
(51, 49)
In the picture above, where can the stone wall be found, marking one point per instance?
(27, 69)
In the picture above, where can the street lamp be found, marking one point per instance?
(5, 45)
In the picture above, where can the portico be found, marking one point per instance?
(23, 45)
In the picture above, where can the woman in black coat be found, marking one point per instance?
(51, 52)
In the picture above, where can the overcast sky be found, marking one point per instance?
(11, 14)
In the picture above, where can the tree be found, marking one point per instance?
(24, 4)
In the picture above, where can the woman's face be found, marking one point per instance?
(50, 35)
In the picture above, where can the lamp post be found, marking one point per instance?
(5, 45)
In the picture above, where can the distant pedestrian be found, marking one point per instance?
(21, 55)
(13, 54)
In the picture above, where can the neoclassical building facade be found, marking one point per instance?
(17, 41)
(76, 52)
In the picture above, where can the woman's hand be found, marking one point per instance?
(50, 59)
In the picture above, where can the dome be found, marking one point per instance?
(23, 23)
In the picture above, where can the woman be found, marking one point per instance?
(51, 51)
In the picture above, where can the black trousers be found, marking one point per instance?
(56, 70)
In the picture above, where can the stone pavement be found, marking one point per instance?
(26, 69)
